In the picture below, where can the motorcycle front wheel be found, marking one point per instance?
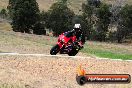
(54, 50)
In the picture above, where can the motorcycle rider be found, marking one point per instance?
(79, 34)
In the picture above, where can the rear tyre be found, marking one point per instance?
(73, 52)
(54, 50)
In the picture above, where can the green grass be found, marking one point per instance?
(107, 54)
(100, 50)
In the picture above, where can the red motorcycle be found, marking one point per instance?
(67, 44)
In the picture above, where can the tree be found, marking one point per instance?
(10, 7)
(25, 14)
(125, 23)
(103, 15)
(60, 18)
(3, 13)
(86, 19)
(95, 3)
(39, 28)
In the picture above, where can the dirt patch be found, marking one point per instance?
(56, 72)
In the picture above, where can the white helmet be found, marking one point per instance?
(77, 27)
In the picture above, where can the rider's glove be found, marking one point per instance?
(80, 44)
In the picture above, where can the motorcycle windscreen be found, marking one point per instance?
(68, 34)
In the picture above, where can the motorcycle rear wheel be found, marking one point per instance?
(73, 52)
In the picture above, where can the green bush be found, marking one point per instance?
(60, 18)
(3, 13)
(24, 13)
(125, 23)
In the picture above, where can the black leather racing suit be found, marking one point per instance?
(80, 36)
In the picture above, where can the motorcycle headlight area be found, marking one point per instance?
(63, 40)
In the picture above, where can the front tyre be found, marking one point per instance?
(54, 50)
